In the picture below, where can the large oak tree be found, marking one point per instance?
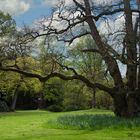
(82, 17)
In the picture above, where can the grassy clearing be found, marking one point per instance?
(33, 125)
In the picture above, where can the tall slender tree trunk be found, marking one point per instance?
(15, 97)
(138, 2)
(14, 101)
(130, 43)
(41, 102)
(93, 98)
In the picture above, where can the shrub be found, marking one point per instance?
(71, 108)
(3, 106)
(104, 101)
(55, 108)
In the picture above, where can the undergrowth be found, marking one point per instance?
(98, 121)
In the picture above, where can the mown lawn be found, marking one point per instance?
(42, 125)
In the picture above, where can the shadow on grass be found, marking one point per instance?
(23, 113)
(99, 121)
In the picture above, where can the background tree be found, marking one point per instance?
(7, 27)
(78, 97)
(54, 95)
(89, 65)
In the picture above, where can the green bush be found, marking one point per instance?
(55, 108)
(103, 100)
(71, 108)
(3, 106)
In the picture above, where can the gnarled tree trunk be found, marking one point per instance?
(127, 104)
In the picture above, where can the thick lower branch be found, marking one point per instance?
(63, 77)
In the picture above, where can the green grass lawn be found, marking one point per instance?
(42, 125)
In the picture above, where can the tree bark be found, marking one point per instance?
(127, 104)
(41, 102)
(93, 98)
(14, 101)
(15, 97)
(138, 81)
(130, 43)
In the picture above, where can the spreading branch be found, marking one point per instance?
(63, 77)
